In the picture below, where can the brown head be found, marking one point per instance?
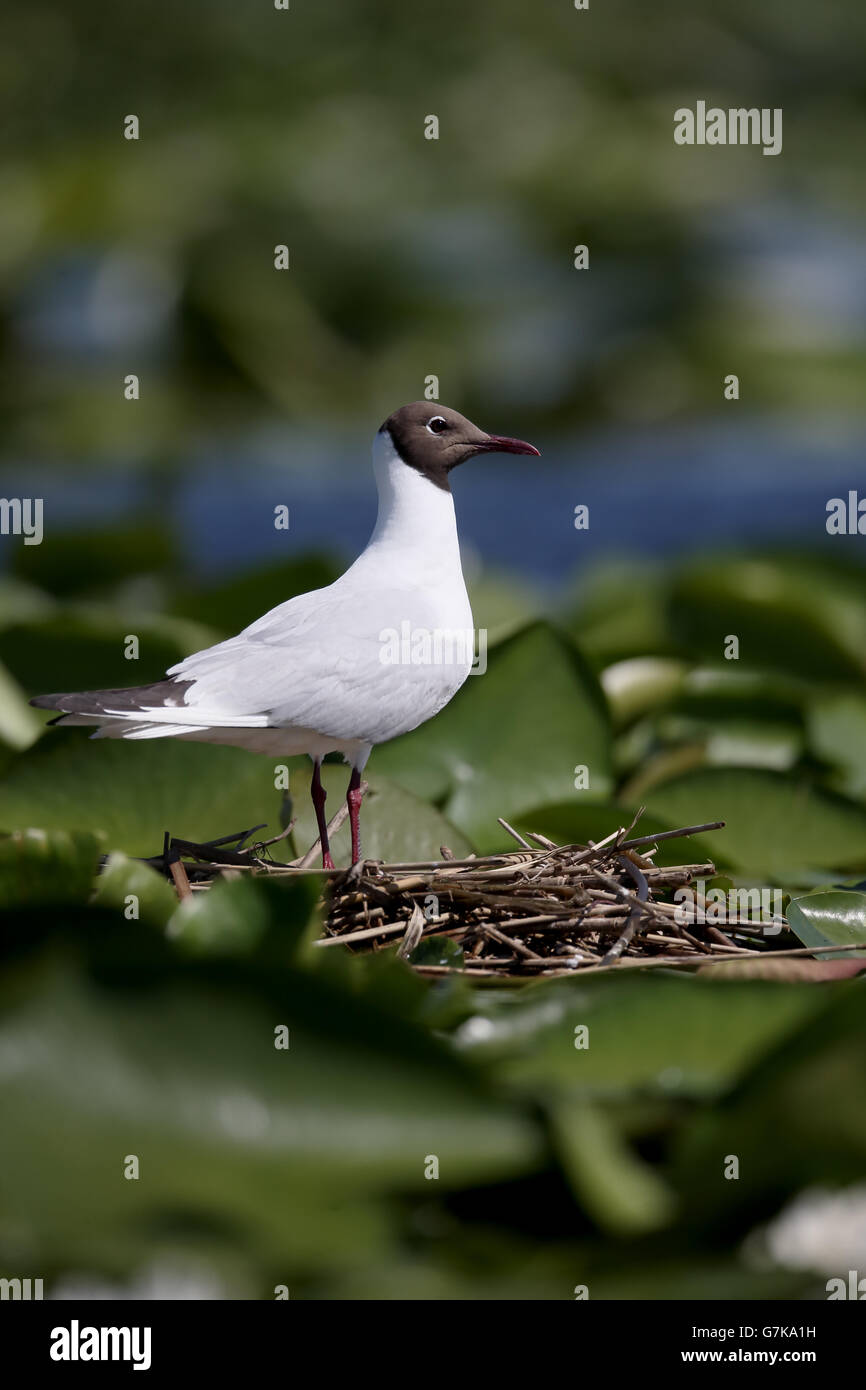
(433, 439)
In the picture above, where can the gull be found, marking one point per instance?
(317, 674)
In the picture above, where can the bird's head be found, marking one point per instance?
(433, 439)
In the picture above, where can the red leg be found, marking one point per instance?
(354, 797)
(319, 795)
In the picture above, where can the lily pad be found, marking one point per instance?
(837, 733)
(775, 824)
(39, 866)
(395, 825)
(833, 918)
(134, 792)
(512, 738)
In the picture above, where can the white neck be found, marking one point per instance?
(416, 518)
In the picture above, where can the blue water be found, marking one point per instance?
(653, 491)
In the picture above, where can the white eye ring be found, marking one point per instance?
(436, 420)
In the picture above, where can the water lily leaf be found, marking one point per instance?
(395, 825)
(809, 972)
(795, 1120)
(40, 867)
(134, 792)
(233, 917)
(95, 561)
(625, 1195)
(511, 738)
(84, 648)
(232, 605)
(787, 612)
(640, 684)
(830, 918)
(596, 1037)
(837, 732)
(621, 612)
(775, 824)
(20, 725)
(135, 889)
(437, 950)
(238, 1140)
(569, 823)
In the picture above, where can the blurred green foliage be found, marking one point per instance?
(154, 1036)
(409, 256)
(558, 1167)
(308, 1166)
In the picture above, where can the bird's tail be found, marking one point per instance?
(144, 711)
(140, 711)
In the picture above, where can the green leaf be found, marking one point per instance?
(775, 824)
(240, 1143)
(640, 684)
(134, 792)
(90, 562)
(834, 918)
(22, 603)
(40, 867)
(837, 732)
(624, 1194)
(122, 878)
(793, 613)
(670, 1034)
(20, 726)
(620, 612)
(84, 648)
(437, 950)
(503, 603)
(511, 738)
(796, 1120)
(232, 605)
(395, 825)
(233, 917)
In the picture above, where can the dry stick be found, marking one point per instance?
(181, 882)
(542, 840)
(275, 839)
(513, 833)
(334, 824)
(656, 962)
(624, 893)
(634, 916)
(382, 929)
(672, 834)
(414, 930)
(504, 940)
(554, 895)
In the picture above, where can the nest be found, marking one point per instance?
(540, 909)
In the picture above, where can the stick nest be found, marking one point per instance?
(540, 909)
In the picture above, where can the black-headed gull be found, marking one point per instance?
(323, 672)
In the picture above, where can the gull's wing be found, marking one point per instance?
(319, 661)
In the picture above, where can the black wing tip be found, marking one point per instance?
(128, 698)
(48, 701)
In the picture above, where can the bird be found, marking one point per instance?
(322, 673)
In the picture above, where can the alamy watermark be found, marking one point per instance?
(21, 1290)
(77, 1343)
(752, 907)
(739, 125)
(22, 516)
(440, 646)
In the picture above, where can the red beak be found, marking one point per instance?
(501, 444)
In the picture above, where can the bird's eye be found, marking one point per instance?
(437, 425)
